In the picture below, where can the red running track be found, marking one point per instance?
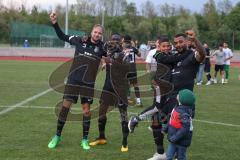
(64, 59)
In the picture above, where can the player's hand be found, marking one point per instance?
(107, 60)
(191, 34)
(103, 66)
(154, 83)
(53, 17)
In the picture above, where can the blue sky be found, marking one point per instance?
(193, 5)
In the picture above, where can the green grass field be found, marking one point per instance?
(25, 131)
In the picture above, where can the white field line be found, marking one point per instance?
(10, 108)
(114, 111)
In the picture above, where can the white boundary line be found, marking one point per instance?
(78, 109)
(10, 108)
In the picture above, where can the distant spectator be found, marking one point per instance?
(219, 66)
(26, 44)
(228, 55)
(207, 66)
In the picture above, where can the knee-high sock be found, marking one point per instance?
(62, 117)
(86, 126)
(124, 123)
(101, 126)
(208, 76)
(148, 112)
(158, 138)
(125, 133)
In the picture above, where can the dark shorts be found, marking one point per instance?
(207, 67)
(132, 77)
(219, 67)
(75, 89)
(109, 97)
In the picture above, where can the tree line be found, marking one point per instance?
(216, 23)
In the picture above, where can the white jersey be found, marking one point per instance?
(151, 60)
(227, 53)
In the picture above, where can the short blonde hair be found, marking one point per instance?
(98, 25)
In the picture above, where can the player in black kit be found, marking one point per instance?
(81, 78)
(115, 90)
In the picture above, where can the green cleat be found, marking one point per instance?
(54, 142)
(84, 144)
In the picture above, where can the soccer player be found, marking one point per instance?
(160, 87)
(131, 52)
(219, 66)
(82, 74)
(151, 63)
(182, 76)
(228, 56)
(116, 84)
(207, 66)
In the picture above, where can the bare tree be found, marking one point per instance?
(148, 9)
(85, 7)
(224, 6)
(167, 10)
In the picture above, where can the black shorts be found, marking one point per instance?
(76, 88)
(207, 67)
(132, 77)
(112, 96)
(219, 67)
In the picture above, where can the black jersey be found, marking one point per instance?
(184, 72)
(207, 59)
(116, 79)
(165, 63)
(131, 53)
(86, 58)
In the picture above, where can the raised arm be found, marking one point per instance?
(200, 54)
(59, 32)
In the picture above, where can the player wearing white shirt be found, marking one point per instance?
(228, 55)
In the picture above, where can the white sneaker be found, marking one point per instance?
(215, 80)
(199, 83)
(226, 81)
(158, 156)
(222, 81)
(208, 83)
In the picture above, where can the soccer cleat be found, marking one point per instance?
(124, 149)
(84, 144)
(130, 102)
(158, 156)
(98, 141)
(54, 142)
(133, 122)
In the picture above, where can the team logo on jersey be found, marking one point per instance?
(87, 53)
(84, 45)
(179, 63)
(96, 49)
